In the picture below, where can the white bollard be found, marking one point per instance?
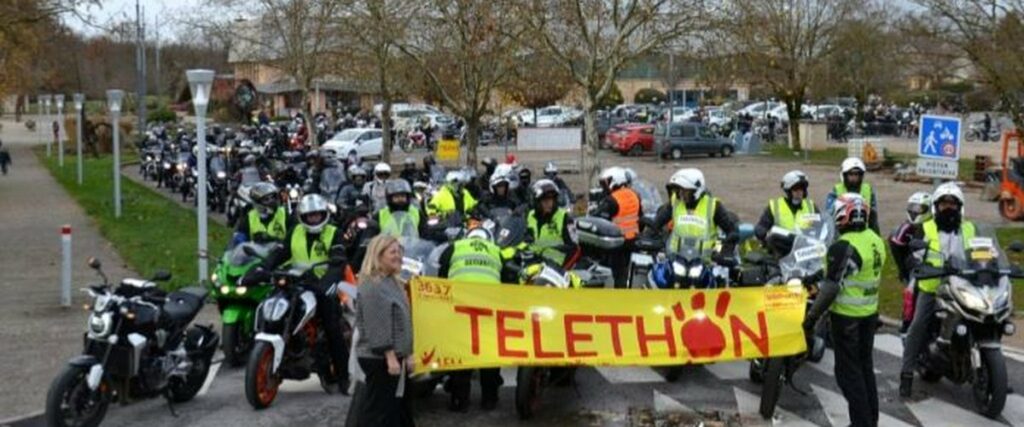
(65, 271)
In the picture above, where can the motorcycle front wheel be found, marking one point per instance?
(529, 382)
(184, 389)
(70, 402)
(772, 387)
(405, 144)
(989, 385)
(261, 383)
(234, 346)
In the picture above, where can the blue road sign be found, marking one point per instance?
(939, 137)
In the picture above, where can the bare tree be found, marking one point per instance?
(989, 34)
(538, 82)
(375, 28)
(296, 37)
(594, 39)
(782, 44)
(863, 60)
(465, 49)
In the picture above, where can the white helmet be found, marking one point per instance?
(453, 177)
(919, 207)
(630, 175)
(689, 179)
(550, 169)
(497, 180)
(613, 177)
(850, 164)
(356, 170)
(309, 207)
(479, 232)
(948, 189)
(792, 179)
(381, 168)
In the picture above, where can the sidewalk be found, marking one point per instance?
(39, 335)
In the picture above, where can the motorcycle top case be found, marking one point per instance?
(599, 233)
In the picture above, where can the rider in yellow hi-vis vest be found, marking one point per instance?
(314, 240)
(265, 219)
(693, 213)
(473, 259)
(947, 234)
(851, 180)
(452, 197)
(849, 292)
(790, 211)
(399, 218)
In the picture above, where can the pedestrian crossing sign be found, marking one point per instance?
(939, 137)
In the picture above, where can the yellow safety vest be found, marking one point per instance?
(934, 256)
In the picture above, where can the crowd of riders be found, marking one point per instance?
(340, 196)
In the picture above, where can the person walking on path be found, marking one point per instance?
(384, 343)
(5, 158)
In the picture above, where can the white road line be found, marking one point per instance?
(1013, 355)
(664, 403)
(214, 369)
(827, 364)
(629, 374)
(729, 370)
(747, 405)
(307, 385)
(936, 413)
(836, 410)
(1014, 410)
(889, 343)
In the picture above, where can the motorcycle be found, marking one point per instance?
(416, 138)
(976, 131)
(973, 314)
(236, 303)
(290, 343)
(217, 184)
(239, 202)
(803, 265)
(138, 344)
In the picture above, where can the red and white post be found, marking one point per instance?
(65, 270)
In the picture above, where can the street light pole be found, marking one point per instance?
(114, 98)
(48, 125)
(200, 82)
(59, 102)
(79, 101)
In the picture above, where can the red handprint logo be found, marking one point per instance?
(701, 337)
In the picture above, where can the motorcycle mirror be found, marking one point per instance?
(1016, 246)
(251, 251)
(94, 263)
(161, 276)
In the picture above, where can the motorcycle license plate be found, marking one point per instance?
(641, 259)
(810, 253)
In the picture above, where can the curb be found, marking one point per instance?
(19, 418)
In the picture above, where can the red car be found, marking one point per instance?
(633, 139)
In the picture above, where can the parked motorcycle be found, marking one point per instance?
(290, 342)
(803, 265)
(976, 131)
(138, 344)
(973, 314)
(236, 303)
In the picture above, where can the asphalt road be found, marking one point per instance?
(606, 397)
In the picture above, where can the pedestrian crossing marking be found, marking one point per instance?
(889, 343)
(827, 364)
(212, 375)
(629, 374)
(729, 370)
(747, 404)
(837, 411)
(664, 403)
(933, 412)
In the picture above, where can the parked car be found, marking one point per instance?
(682, 114)
(687, 139)
(365, 142)
(634, 139)
(760, 108)
(719, 120)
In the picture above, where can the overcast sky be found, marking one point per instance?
(117, 10)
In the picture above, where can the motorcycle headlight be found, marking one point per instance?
(167, 165)
(213, 278)
(221, 175)
(241, 290)
(99, 324)
(293, 193)
(679, 269)
(969, 296)
(225, 289)
(181, 166)
(274, 310)
(696, 271)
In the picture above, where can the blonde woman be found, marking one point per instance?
(384, 346)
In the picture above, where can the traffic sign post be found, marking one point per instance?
(938, 147)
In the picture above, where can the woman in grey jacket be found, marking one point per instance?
(384, 347)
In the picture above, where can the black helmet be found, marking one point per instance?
(544, 188)
(397, 186)
(428, 160)
(489, 162)
(249, 160)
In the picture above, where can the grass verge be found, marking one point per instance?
(153, 232)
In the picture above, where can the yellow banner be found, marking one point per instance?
(461, 325)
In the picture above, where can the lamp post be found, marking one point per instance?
(201, 81)
(114, 98)
(79, 105)
(59, 102)
(39, 118)
(47, 124)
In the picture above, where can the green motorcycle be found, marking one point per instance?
(237, 304)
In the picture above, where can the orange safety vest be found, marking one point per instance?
(628, 216)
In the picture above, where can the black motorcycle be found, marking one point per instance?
(139, 344)
(973, 314)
